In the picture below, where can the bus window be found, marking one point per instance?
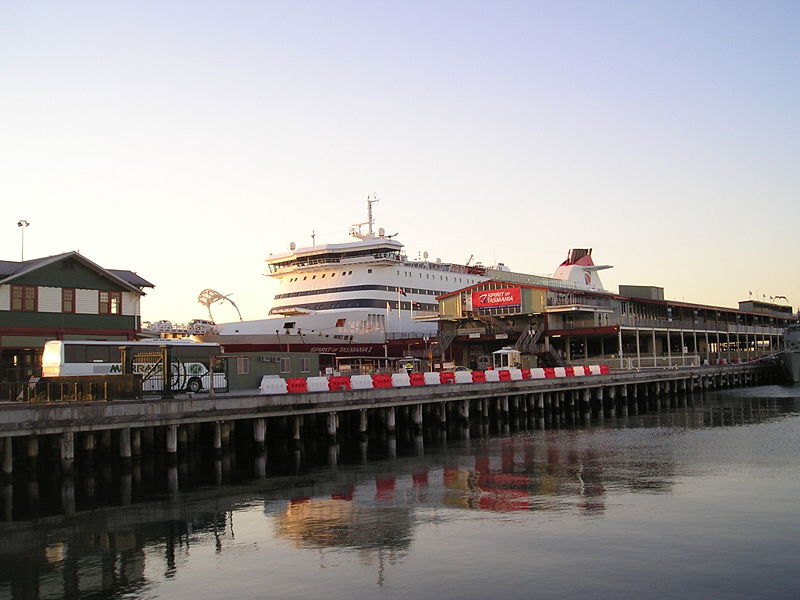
(74, 353)
(96, 354)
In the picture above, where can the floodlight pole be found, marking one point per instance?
(22, 224)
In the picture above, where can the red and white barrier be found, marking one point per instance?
(447, 377)
(463, 376)
(361, 382)
(516, 374)
(298, 385)
(272, 385)
(401, 380)
(431, 378)
(493, 375)
(318, 384)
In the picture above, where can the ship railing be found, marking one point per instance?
(542, 280)
(597, 303)
(344, 260)
(410, 335)
(445, 267)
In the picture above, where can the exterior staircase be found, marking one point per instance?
(443, 342)
(528, 340)
(493, 323)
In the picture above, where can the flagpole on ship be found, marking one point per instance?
(386, 323)
(399, 315)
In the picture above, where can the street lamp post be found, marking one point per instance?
(22, 224)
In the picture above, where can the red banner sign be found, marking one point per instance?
(501, 297)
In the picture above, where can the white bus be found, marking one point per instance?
(189, 368)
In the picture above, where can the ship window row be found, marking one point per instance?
(344, 273)
(358, 288)
(428, 276)
(362, 303)
(463, 280)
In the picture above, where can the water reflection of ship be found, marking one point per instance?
(340, 522)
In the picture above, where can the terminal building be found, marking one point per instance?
(62, 297)
(556, 322)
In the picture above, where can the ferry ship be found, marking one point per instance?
(367, 297)
(790, 357)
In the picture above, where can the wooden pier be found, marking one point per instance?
(127, 428)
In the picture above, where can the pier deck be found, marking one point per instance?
(166, 424)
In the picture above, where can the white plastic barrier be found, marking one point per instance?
(463, 376)
(516, 374)
(317, 384)
(401, 380)
(595, 369)
(560, 372)
(361, 382)
(537, 374)
(272, 385)
(579, 371)
(493, 375)
(431, 378)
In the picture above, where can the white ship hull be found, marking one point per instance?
(365, 295)
(790, 362)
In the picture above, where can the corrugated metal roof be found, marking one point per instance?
(13, 269)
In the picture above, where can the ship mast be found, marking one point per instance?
(355, 229)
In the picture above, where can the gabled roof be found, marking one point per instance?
(11, 270)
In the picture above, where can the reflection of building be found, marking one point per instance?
(62, 297)
(514, 482)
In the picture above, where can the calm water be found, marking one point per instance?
(696, 501)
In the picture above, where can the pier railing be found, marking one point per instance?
(643, 362)
(700, 325)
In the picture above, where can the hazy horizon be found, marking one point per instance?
(188, 141)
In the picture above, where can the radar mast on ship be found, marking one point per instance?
(355, 229)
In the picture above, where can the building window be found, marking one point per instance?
(110, 303)
(286, 365)
(242, 365)
(23, 297)
(305, 365)
(67, 300)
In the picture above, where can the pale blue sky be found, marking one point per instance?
(188, 140)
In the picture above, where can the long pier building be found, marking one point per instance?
(636, 328)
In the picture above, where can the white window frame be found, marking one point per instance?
(243, 365)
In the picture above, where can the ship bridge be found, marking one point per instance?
(375, 250)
